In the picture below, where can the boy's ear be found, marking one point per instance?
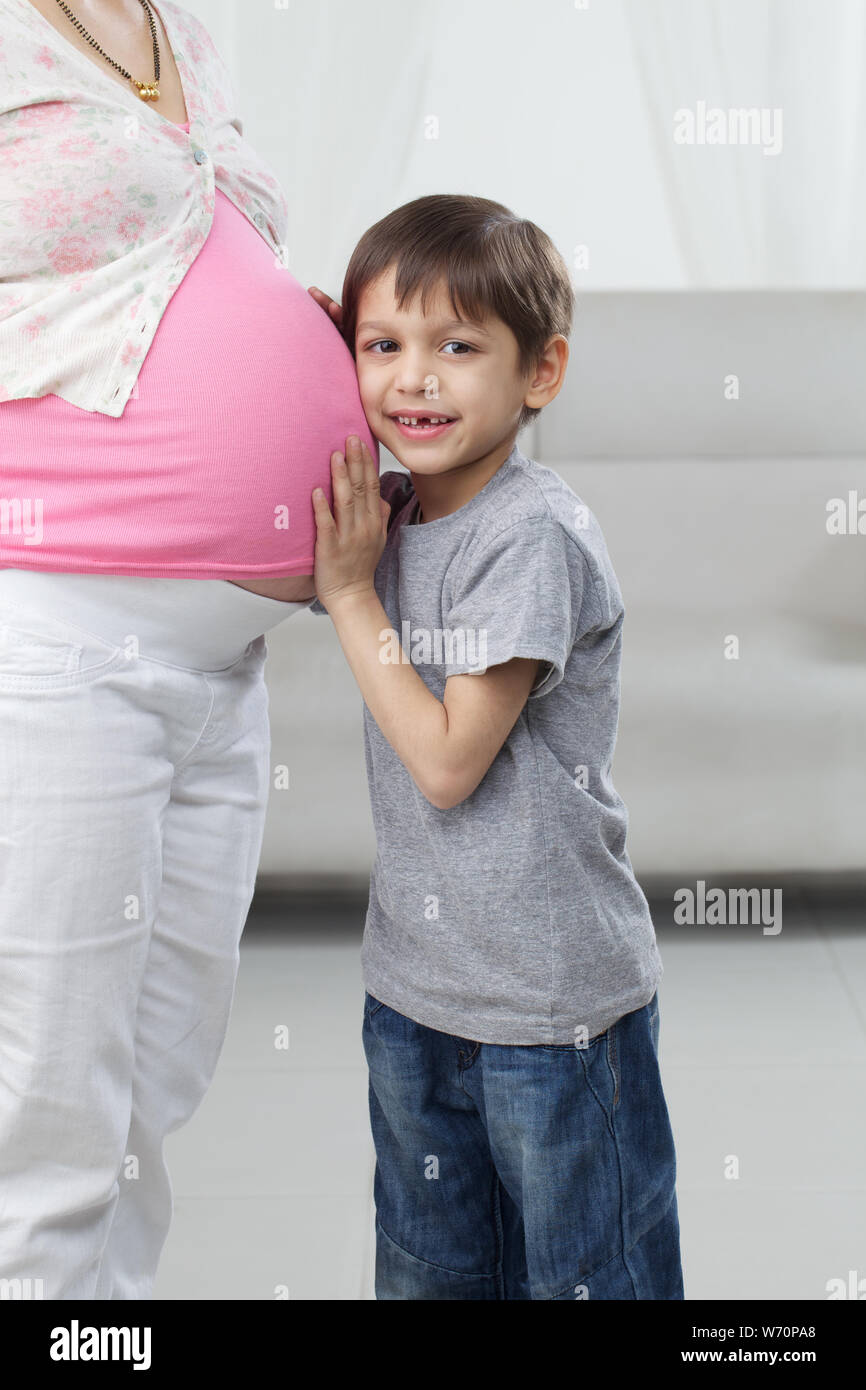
(549, 373)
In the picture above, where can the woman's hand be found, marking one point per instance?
(330, 306)
(349, 544)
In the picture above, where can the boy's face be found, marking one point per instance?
(418, 365)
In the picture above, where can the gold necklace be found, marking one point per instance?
(148, 91)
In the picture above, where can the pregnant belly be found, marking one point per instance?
(246, 390)
(293, 590)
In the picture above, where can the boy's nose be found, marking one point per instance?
(412, 374)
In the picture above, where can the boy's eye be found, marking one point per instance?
(389, 344)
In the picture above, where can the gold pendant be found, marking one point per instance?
(148, 91)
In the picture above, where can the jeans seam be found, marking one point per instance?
(197, 670)
(460, 1274)
(500, 1242)
(181, 765)
(25, 614)
(570, 1047)
(59, 681)
(617, 1254)
(624, 1247)
(599, 1101)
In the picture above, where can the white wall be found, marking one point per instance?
(565, 112)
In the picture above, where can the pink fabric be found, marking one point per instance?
(245, 391)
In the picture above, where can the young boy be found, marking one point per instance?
(523, 1144)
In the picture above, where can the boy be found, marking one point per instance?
(523, 1144)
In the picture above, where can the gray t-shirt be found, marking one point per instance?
(514, 917)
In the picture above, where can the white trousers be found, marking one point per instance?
(134, 777)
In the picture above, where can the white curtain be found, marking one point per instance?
(740, 217)
(565, 110)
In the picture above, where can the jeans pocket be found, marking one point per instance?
(653, 1020)
(371, 1005)
(42, 653)
(613, 1060)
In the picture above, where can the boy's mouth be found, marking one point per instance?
(422, 426)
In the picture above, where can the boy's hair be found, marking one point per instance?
(491, 260)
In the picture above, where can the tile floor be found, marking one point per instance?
(763, 1055)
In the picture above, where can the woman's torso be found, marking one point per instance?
(245, 391)
(124, 33)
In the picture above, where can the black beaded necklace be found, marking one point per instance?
(148, 91)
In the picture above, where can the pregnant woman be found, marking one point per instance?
(169, 396)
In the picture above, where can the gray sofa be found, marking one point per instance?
(714, 507)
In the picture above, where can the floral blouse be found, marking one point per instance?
(105, 204)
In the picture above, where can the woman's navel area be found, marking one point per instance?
(293, 588)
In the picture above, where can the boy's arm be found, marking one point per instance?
(447, 746)
(520, 578)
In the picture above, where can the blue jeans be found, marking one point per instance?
(521, 1172)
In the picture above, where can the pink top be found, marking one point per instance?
(244, 393)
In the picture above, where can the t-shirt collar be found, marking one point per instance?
(442, 524)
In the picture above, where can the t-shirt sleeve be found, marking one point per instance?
(396, 488)
(521, 594)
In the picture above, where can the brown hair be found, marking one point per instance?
(492, 262)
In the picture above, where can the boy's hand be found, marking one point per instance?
(330, 306)
(349, 544)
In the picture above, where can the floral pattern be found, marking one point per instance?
(103, 207)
